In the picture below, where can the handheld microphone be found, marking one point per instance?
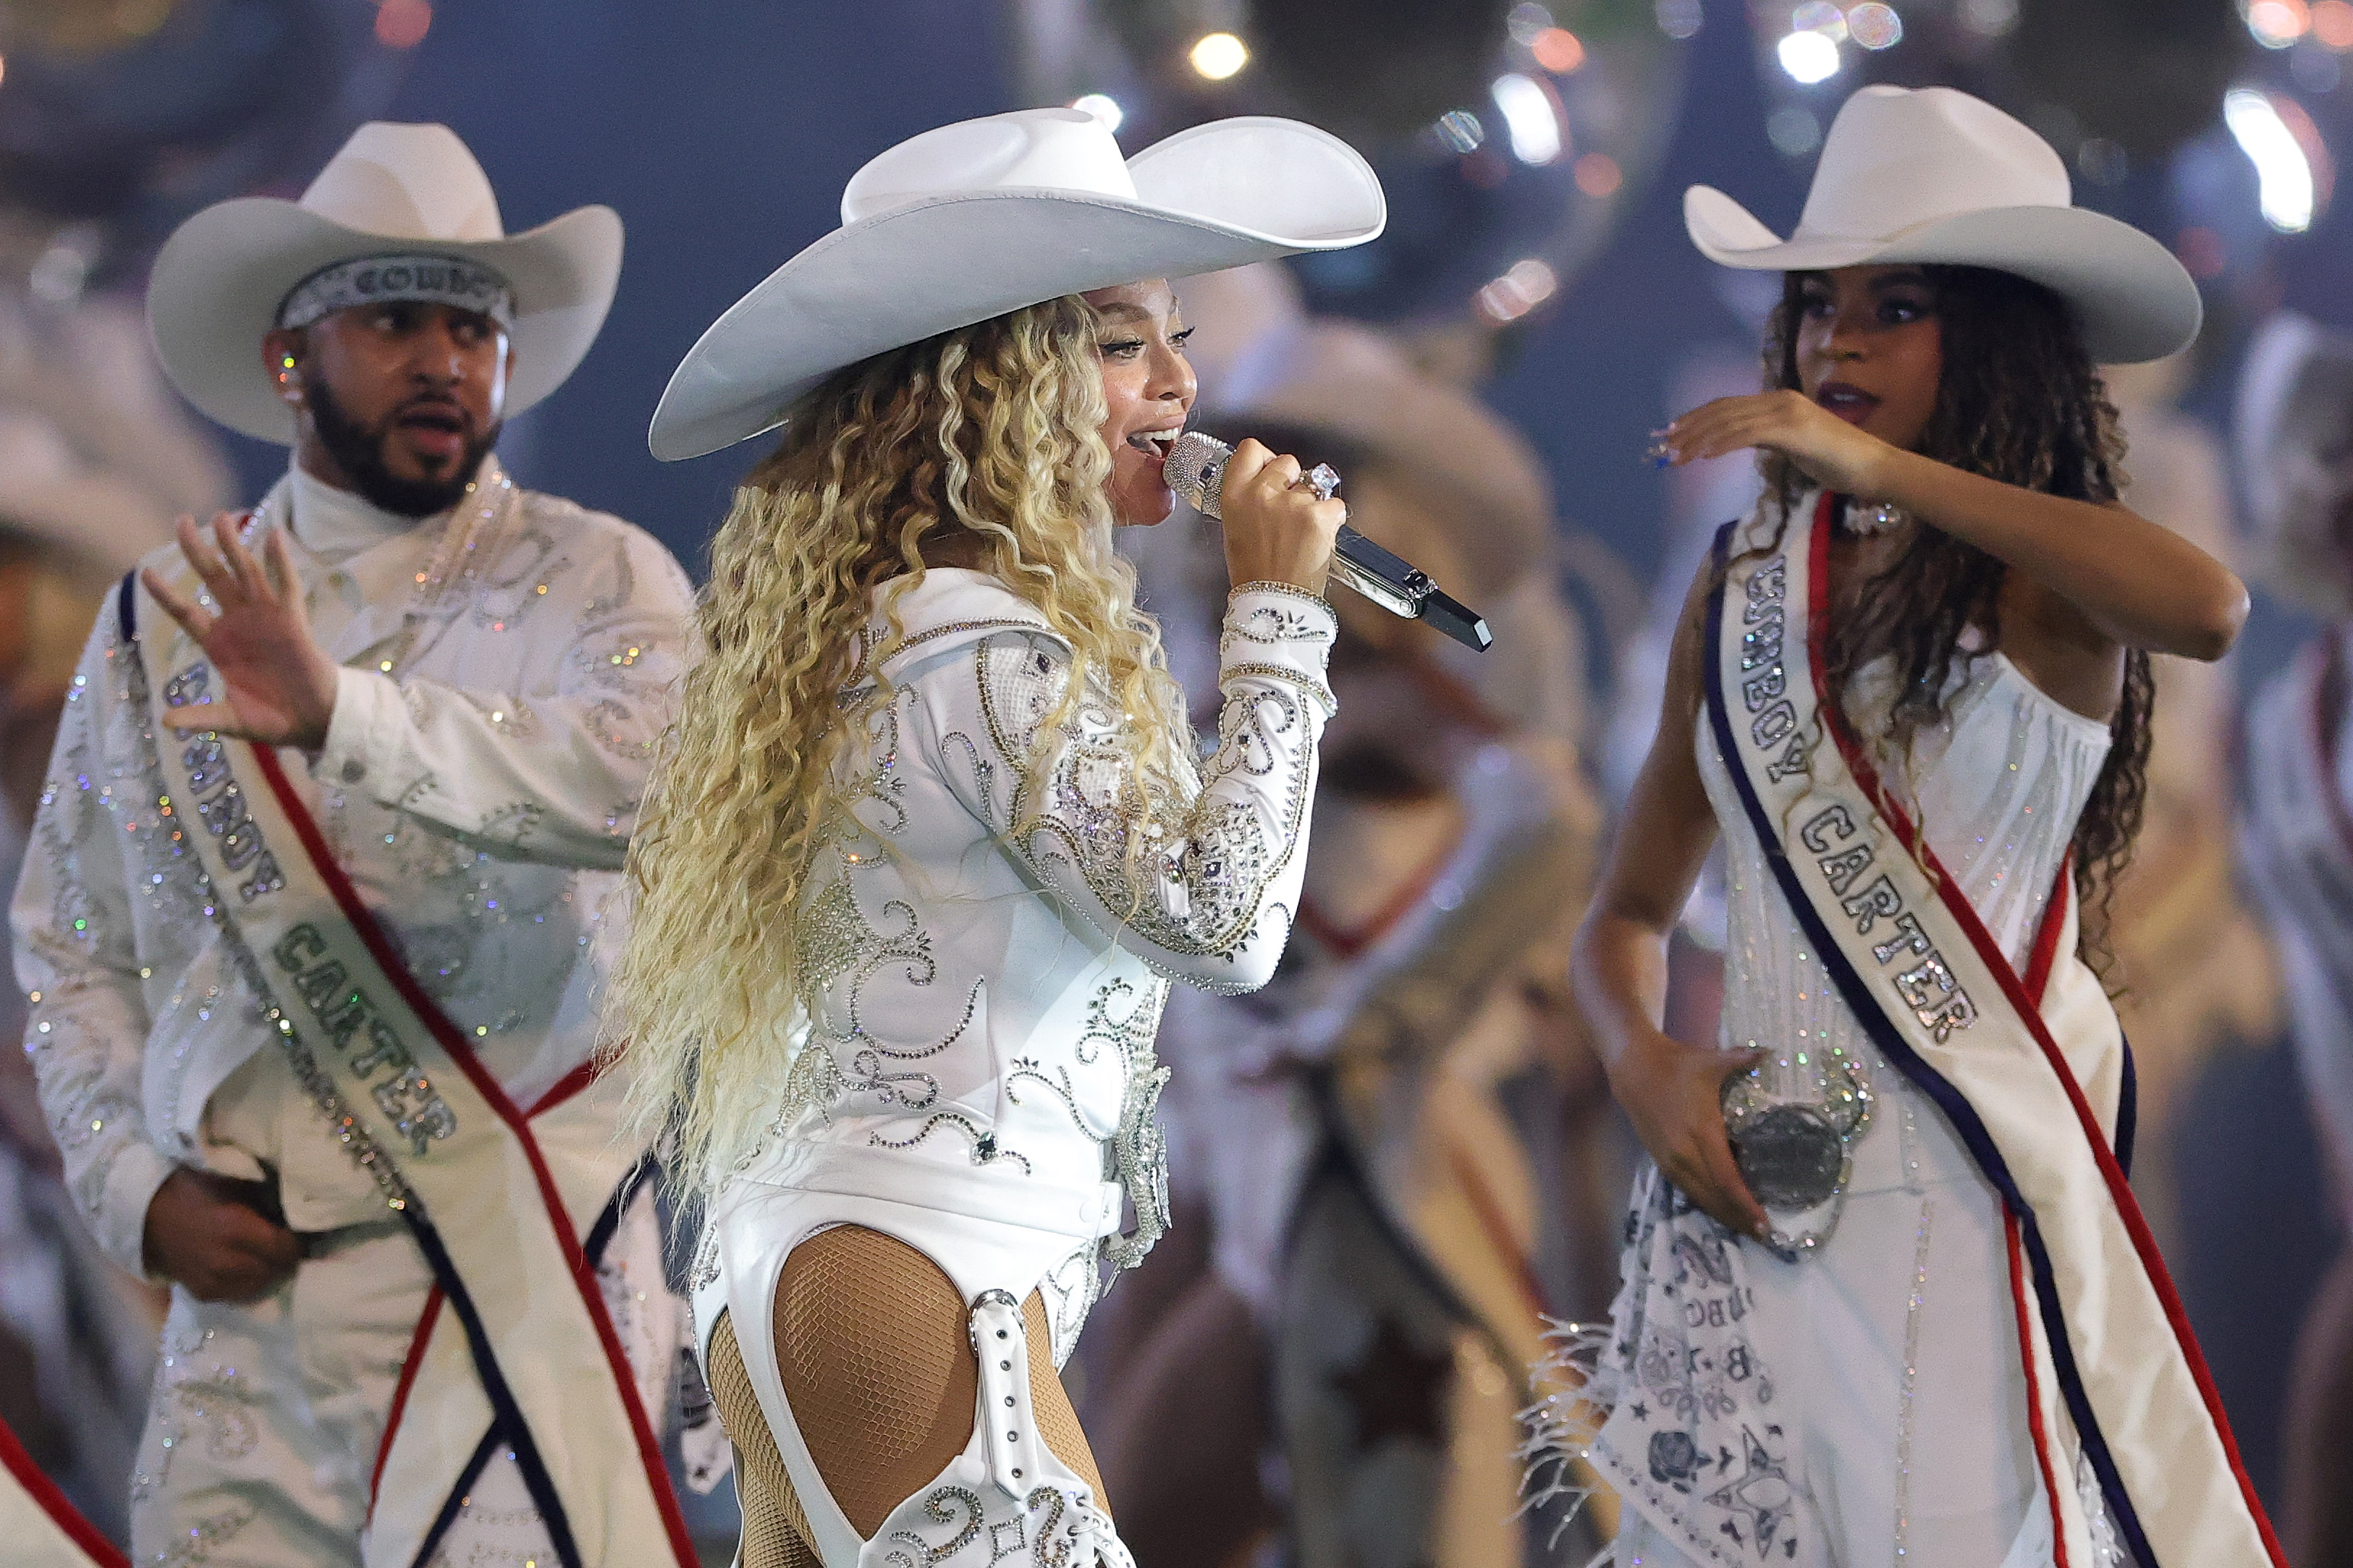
(1196, 471)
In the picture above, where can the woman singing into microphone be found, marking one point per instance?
(932, 836)
(1887, 1298)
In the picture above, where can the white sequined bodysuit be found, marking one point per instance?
(983, 966)
(1892, 1350)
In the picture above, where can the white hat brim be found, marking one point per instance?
(99, 516)
(1220, 196)
(2132, 296)
(219, 280)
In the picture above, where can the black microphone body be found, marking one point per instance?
(1196, 471)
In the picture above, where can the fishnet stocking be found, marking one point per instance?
(776, 1530)
(872, 1345)
(874, 1350)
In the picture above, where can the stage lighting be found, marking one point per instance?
(1460, 130)
(1559, 50)
(2276, 23)
(1218, 55)
(1874, 25)
(1678, 19)
(1527, 284)
(1102, 106)
(402, 24)
(1808, 58)
(2285, 174)
(1820, 16)
(1530, 119)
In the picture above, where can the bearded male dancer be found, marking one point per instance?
(323, 880)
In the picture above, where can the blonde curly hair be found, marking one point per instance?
(992, 431)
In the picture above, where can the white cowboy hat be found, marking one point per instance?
(1934, 175)
(986, 217)
(2296, 458)
(394, 189)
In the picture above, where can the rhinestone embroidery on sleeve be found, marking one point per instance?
(1212, 881)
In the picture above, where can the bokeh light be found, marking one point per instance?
(2287, 191)
(1793, 130)
(1559, 50)
(1218, 55)
(1819, 17)
(2276, 23)
(1597, 174)
(1460, 130)
(1531, 118)
(2103, 160)
(403, 24)
(1529, 22)
(2332, 24)
(1102, 106)
(1808, 58)
(1874, 25)
(1527, 284)
(1678, 19)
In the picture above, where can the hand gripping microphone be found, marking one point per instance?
(1196, 471)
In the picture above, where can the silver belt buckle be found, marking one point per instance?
(1797, 1155)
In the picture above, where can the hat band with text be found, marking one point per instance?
(375, 279)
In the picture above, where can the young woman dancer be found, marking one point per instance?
(1886, 1295)
(933, 837)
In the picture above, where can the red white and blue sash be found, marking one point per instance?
(508, 1206)
(42, 1528)
(2017, 1063)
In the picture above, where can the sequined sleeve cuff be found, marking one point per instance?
(1275, 631)
(367, 711)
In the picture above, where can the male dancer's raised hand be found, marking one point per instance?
(277, 685)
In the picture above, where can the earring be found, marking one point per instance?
(1872, 516)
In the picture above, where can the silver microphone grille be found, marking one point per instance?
(1196, 471)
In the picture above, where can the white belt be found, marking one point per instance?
(1001, 1193)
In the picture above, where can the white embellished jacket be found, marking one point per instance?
(982, 974)
(479, 784)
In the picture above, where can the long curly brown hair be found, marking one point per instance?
(2020, 402)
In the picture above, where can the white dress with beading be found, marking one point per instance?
(1892, 1349)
